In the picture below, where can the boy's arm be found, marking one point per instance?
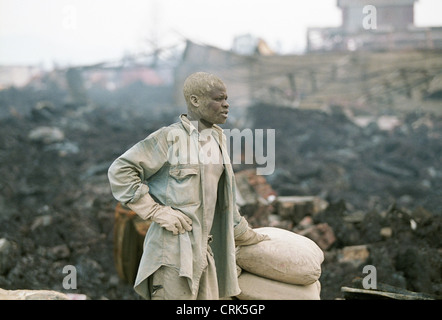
(244, 234)
(127, 175)
(129, 171)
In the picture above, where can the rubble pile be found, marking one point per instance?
(363, 194)
(55, 201)
(403, 245)
(369, 166)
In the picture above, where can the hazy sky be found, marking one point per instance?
(90, 31)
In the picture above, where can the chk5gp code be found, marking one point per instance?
(226, 309)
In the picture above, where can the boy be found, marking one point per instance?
(180, 176)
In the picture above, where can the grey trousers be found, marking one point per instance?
(166, 284)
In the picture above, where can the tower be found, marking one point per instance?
(392, 15)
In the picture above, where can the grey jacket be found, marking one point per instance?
(161, 170)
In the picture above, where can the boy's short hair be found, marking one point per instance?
(200, 84)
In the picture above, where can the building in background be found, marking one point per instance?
(389, 26)
(18, 76)
(248, 44)
(365, 80)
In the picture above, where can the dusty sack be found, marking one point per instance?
(254, 287)
(287, 257)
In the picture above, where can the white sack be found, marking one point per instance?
(254, 287)
(287, 257)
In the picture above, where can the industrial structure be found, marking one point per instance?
(375, 25)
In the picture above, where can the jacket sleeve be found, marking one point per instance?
(129, 171)
(239, 222)
(243, 234)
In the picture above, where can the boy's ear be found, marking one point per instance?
(194, 100)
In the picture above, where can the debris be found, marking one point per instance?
(8, 255)
(354, 217)
(77, 296)
(322, 234)
(386, 232)
(375, 182)
(320, 153)
(60, 252)
(276, 221)
(255, 197)
(385, 291)
(64, 148)
(41, 221)
(253, 188)
(306, 222)
(388, 123)
(46, 135)
(296, 208)
(413, 224)
(32, 295)
(355, 255)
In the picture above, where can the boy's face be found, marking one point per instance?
(214, 107)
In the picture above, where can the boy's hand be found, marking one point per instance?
(172, 220)
(250, 237)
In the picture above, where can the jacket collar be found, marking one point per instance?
(189, 125)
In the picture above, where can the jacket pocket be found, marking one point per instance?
(184, 186)
(180, 173)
